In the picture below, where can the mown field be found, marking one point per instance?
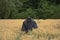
(49, 29)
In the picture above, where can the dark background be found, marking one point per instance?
(38, 9)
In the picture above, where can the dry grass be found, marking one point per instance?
(48, 29)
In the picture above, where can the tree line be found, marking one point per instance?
(38, 9)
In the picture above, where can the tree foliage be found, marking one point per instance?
(11, 9)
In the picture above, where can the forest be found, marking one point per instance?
(37, 9)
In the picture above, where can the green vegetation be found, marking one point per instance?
(12, 9)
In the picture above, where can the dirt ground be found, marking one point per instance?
(49, 29)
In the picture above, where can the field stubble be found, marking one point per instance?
(48, 29)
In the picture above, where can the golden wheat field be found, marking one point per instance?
(49, 29)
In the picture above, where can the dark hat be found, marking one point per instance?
(29, 18)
